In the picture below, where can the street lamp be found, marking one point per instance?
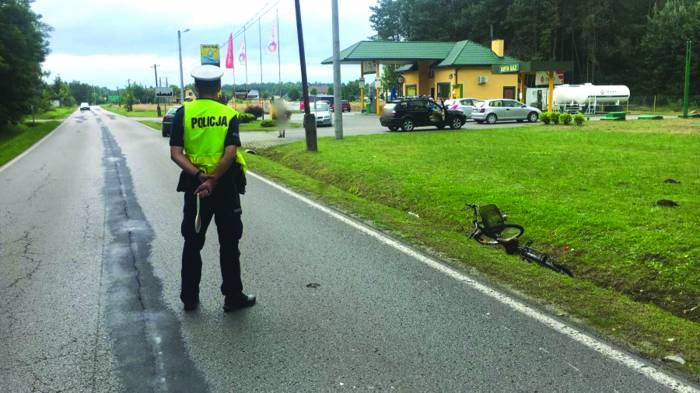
(182, 81)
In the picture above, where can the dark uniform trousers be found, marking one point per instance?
(222, 206)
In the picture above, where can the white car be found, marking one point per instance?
(84, 106)
(464, 105)
(492, 111)
(322, 110)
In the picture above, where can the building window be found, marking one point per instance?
(411, 90)
(443, 90)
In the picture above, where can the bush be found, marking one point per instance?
(546, 117)
(268, 123)
(556, 116)
(566, 118)
(246, 118)
(579, 119)
(254, 110)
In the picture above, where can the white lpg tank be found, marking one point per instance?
(589, 94)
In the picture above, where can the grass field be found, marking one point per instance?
(140, 110)
(255, 126)
(592, 189)
(153, 124)
(16, 139)
(59, 113)
(245, 127)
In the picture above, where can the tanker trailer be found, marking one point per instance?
(590, 98)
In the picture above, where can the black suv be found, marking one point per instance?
(408, 113)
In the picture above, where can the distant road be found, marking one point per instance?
(89, 277)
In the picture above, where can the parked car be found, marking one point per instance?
(408, 113)
(346, 106)
(464, 105)
(84, 106)
(491, 111)
(167, 124)
(315, 98)
(322, 110)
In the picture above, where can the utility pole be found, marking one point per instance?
(686, 85)
(309, 118)
(262, 105)
(155, 70)
(128, 95)
(182, 81)
(337, 89)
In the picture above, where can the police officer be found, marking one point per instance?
(204, 143)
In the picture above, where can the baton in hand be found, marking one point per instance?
(197, 219)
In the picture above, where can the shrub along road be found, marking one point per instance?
(590, 190)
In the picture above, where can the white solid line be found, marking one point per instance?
(605, 349)
(35, 145)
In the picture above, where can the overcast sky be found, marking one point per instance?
(106, 42)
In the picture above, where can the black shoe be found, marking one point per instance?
(191, 305)
(233, 303)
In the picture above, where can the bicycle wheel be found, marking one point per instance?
(482, 238)
(511, 231)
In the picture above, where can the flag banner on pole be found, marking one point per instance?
(229, 52)
(242, 55)
(272, 46)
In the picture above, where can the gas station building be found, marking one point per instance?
(450, 69)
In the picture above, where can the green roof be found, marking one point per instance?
(393, 51)
(449, 53)
(470, 53)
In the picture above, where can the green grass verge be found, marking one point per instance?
(156, 125)
(255, 126)
(16, 139)
(593, 189)
(135, 113)
(59, 113)
(245, 127)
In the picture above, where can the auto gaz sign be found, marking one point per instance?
(507, 68)
(209, 54)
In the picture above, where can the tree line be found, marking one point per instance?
(640, 43)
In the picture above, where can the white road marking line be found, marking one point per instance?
(35, 145)
(574, 367)
(605, 349)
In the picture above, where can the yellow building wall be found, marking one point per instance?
(410, 78)
(493, 88)
(467, 77)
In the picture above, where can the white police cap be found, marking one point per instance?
(207, 72)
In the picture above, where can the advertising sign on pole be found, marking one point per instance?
(541, 78)
(369, 67)
(164, 92)
(209, 54)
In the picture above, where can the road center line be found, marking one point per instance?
(603, 348)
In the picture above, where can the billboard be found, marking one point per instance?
(209, 54)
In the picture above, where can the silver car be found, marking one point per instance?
(491, 111)
(464, 105)
(322, 110)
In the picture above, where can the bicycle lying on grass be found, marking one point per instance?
(490, 228)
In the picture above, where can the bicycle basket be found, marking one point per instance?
(491, 219)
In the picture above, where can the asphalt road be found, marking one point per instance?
(89, 277)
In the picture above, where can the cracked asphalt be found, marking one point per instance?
(89, 281)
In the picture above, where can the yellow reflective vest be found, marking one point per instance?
(206, 125)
